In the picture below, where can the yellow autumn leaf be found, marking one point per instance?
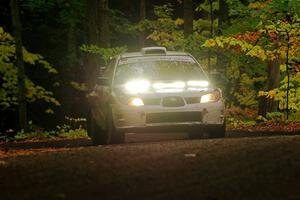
(271, 94)
(261, 93)
(209, 43)
(49, 111)
(179, 22)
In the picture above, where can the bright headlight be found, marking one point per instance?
(211, 97)
(177, 85)
(198, 83)
(135, 101)
(137, 86)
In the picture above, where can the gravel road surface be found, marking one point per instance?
(229, 168)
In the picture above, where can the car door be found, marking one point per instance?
(102, 94)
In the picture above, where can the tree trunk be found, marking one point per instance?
(267, 104)
(104, 36)
(211, 14)
(223, 20)
(20, 64)
(223, 15)
(188, 17)
(92, 33)
(142, 17)
(92, 21)
(71, 45)
(273, 82)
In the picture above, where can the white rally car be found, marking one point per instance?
(154, 90)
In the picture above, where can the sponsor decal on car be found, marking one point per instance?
(125, 61)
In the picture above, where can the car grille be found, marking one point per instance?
(172, 102)
(173, 117)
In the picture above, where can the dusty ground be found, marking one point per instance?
(230, 168)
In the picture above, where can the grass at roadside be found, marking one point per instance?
(43, 135)
(67, 132)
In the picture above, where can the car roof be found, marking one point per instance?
(140, 54)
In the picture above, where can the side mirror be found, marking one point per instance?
(103, 81)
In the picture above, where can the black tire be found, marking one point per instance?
(114, 136)
(194, 135)
(95, 132)
(217, 132)
(198, 134)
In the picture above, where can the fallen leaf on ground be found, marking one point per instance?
(190, 155)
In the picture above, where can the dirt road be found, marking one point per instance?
(230, 168)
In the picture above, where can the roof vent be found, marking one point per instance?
(154, 50)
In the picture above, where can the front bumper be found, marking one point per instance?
(169, 127)
(162, 119)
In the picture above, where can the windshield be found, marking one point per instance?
(158, 68)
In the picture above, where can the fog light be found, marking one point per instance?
(135, 101)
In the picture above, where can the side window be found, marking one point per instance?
(110, 69)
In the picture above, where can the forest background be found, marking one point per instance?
(251, 47)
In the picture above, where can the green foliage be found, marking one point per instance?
(282, 7)
(164, 31)
(63, 131)
(288, 30)
(275, 116)
(75, 123)
(119, 24)
(70, 12)
(279, 94)
(164, 11)
(33, 135)
(238, 8)
(8, 72)
(205, 6)
(234, 123)
(79, 86)
(241, 25)
(73, 128)
(73, 133)
(105, 53)
(278, 24)
(246, 93)
(168, 32)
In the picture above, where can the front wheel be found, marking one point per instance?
(115, 137)
(95, 132)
